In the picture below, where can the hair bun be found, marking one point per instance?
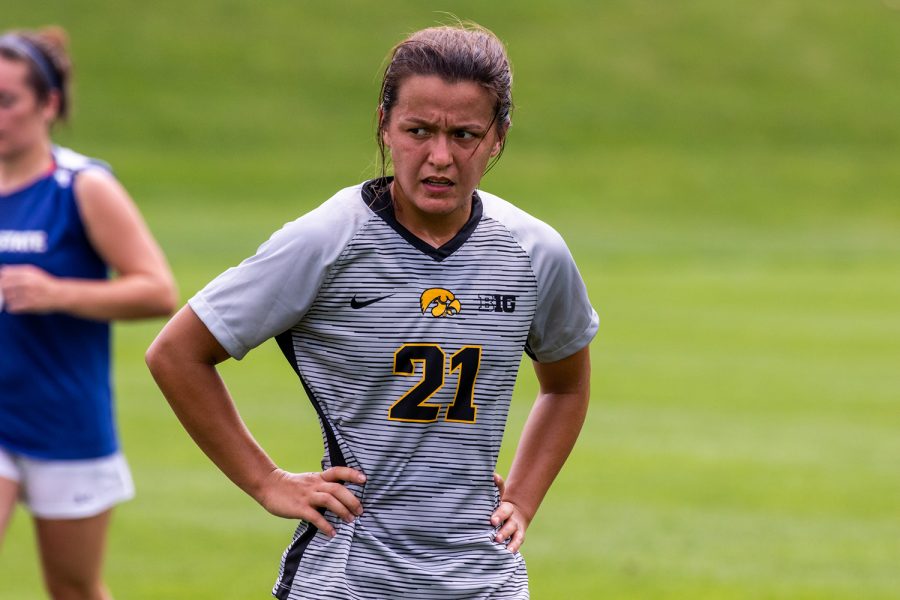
(55, 36)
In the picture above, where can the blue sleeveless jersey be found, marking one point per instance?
(55, 392)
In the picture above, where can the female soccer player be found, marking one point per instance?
(403, 304)
(64, 222)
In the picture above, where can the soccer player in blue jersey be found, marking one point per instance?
(64, 223)
(404, 305)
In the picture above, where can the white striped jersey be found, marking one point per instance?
(409, 355)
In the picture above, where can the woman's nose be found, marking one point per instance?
(439, 153)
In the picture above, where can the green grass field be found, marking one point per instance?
(727, 177)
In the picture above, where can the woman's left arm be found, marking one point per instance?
(549, 435)
(143, 285)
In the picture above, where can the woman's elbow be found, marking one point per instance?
(157, 355)
(168, 300)
(164, 300)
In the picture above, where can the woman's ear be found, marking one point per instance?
(501, 139)
(385, 137)
(50, 110)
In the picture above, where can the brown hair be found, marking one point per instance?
(463, 52)
(51, 43)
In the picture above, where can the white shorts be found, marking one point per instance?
(68, 489)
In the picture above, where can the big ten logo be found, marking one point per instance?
(497, 303)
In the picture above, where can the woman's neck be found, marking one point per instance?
(433, 229)
(20, 169)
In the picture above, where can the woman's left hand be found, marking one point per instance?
(510, 518)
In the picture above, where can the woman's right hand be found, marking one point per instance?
(301, 495)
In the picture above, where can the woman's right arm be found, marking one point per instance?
(183, 361)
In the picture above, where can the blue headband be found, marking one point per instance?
(27, 49)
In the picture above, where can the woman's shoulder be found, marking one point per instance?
(531, 232)
(345, 207)
(88, 176)
(332, 222)
(69, 162)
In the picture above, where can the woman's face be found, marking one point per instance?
(441, 136)
(24, 121)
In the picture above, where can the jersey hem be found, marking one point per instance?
(14, 449)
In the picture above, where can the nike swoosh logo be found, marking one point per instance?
(355, 304)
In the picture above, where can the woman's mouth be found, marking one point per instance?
(437, 184)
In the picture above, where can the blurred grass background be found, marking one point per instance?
(727, 177)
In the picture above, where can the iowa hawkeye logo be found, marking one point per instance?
(441, 302)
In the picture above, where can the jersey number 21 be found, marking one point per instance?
(413, 406)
